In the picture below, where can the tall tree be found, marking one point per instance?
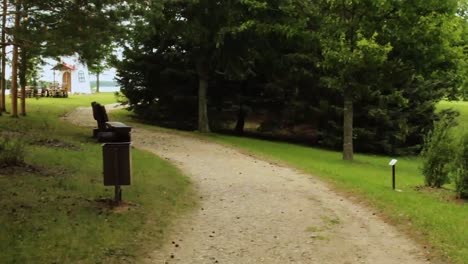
(24, 59)
(463, 44)
(98, 69)
(100, 62)
(367, 43)
(349, 49)
(14, 67)
(3, 55)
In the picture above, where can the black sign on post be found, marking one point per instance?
(117, 166)
(393, 163)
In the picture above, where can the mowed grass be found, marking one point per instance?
(53, 211)
(462, 108)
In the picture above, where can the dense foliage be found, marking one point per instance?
(460, 168)
(437, 154)
(332, 72)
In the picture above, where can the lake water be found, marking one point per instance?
(109, 89)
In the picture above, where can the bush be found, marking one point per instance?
(12, 150)
(437, 154)
(460, 168)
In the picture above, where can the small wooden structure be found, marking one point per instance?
(66, 71)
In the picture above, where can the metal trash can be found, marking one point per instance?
(117, 163)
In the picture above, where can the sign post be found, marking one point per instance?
(393, 163)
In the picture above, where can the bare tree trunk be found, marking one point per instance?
(242, 114)
(2, 91)
(23, 81)
(348, 128)
(14, 67)
(14, 83)
(203, 77)
(97, 82)
(23, 68)
(2, 78)
(240, 121)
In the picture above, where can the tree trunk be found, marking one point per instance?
(23, 81)
(14, 67)
(2, 78)
(348, 128)
(14, 83)
(23, 68)
(203, 77)
(97, 82)
(242, 114)
(240, 121)
(2, 91)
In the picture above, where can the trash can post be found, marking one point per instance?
(117, 195)
(118, 190)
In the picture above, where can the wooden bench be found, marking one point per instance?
(109, 131)
(121, 131)
(61, 93)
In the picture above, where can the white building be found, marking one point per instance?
(72, 75)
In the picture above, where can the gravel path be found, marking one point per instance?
(253, 211)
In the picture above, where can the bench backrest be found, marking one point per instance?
(100, 115)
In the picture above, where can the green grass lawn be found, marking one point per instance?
(52, 211)
(433, 217)
(461, 107)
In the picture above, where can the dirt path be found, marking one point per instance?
(253, 211)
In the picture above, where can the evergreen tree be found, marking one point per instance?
(296, 63)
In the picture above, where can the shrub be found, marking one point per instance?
(437, 154)
(460, 168)
(12, 150)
